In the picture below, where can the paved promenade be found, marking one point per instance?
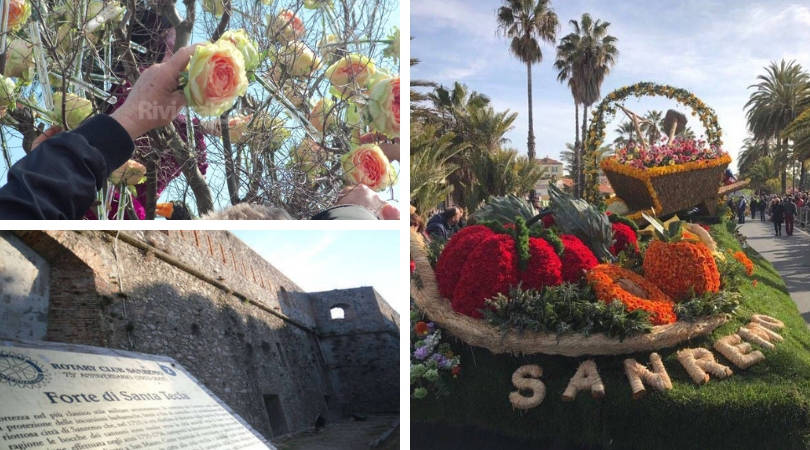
(790, 256)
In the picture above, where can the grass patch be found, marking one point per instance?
(766, 406)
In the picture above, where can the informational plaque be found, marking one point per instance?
(56, 396)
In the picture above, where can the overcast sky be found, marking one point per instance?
(324, 260)
(714, 48)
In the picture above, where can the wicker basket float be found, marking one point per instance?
(477, 332)
(667, 189)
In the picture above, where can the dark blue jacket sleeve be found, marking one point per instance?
(60, 177)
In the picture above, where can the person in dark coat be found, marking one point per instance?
(754, 206)
(60, 177)
(763, 205)
(777, 215)
(741, 210)
(790, 213)
(443, 225)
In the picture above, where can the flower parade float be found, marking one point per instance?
(545, 332)
(289, 102)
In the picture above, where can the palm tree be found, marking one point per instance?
(752, 151)
(652, 127)
(626, 134)
(779, 97)
(584, 57)
(799, 132)
(524, 22)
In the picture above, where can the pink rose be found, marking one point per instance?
(368, 165)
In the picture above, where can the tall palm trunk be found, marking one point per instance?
(577, 142)
(580, 180)
(530, 142)
(803, 175)
(784, 162)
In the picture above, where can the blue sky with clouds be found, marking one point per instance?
(320, 260)
(714, 48)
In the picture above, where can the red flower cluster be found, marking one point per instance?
(478, 263)
(679, 151)
(623, 237)
(577, 258)
(548, 220)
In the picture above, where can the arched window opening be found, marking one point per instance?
(337, 313)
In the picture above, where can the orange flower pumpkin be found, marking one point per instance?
(611, 282)
(681, 269)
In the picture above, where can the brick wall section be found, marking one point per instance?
(76, 291)
(239, 350)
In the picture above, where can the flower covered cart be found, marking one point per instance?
(663, 177)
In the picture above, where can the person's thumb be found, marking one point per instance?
(389, 212)
(179, 60)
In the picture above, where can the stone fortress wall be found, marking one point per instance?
(270, 351)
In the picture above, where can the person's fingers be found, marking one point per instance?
(45, 135)
(389, 212)
(179, 60)
(177, 99)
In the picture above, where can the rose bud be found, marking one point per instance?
(286, 27)
(350, 74)
(20, 59)
(250, 51)
(315, 4)
(309, 157)
(130, 173)
(368, 165)
(299, 60)
(215, 7)
(328, 51)
(76, 109)
(323, 114)
(383, 106)
(216, 77)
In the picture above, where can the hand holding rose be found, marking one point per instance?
(155, 99)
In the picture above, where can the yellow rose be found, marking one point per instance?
(215, 7)
(130, 173)
(323, 115)
(309, 157)
(367, 164)
(299, 60)
(328, 51)
(7, 94)
(350, 74)
(20, 59)
(216, 77)
(250, 51)
(286, 27)
(383, 106)
(76, 109)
